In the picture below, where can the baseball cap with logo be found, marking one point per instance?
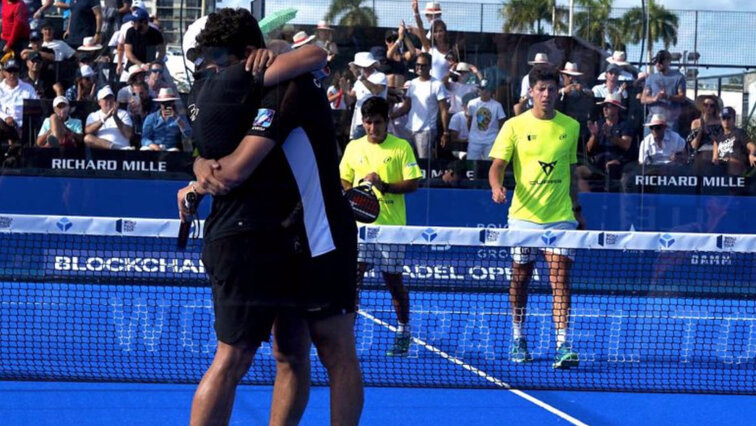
(728, 112)
(12, 65)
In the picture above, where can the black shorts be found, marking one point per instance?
(259, 274)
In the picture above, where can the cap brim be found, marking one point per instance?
(89, 48)
(611, 103)
(165, 99)
(572, 73)
(303, 42)
(365, 64)
(654, 124)
(539, 63)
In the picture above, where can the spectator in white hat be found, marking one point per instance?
(13, 91)
(457, 83)
(300, 39)
(573, 96)
(165, 129)
(369, 83)
(437, 43)
(662, 145)
(324, 39)
(60, 129)
(610, 140)
(612, 83)
(627, 71)
(526, 102)
(108, 127)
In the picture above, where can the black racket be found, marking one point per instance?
(190, 202)
(364, 202)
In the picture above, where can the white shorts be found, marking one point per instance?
(388, 258)
(524, 255)
(478, 151)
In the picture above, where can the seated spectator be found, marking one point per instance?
(459, 127)
(13, 91)
(457, 83)
(156, 78)
(83, 89)
(324, 39)
(705, 129)
(61, 49)
(399, 51)
(140, 105)
(134, 74)
(60, 129)
(144, 43)
(485, 116)
(34, 75)
(164, 129)
(89, 49)
(611, 85)
(609, 144)
(109, 127)
(35, 43)
(662, 145)
(733, 147)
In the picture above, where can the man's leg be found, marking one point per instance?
(214, 397)
(291, 349)
(400, 300)
(559, 273)
(334, 339)
(94, 142)
(522, 270)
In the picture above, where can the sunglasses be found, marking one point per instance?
(709, 105)
(156, 70)
(658, 127)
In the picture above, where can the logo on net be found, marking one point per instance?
(368, 234)
(5, 222)
(124, 225)
(607, 239)
(429, 235)
(488, 236)
(666, 241)
(64, 224)
(549, 238)
(725, 242)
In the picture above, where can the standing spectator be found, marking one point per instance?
(399, 51)
(542, 145)
(60, 129)
(705, 129)
(438, 44)
(83, 88)
(425, 98)
(324, 39)
(485, 116)
(62, 50)
(575, 100)
(457, 83)
(143, 43)
(369, 83)
(37, 78)
(13, 91)
(109, 127)
(432, 12)
(611, 85)
(165, 129)
(526, 101)
(85, 21)
(65, 7)
(610, 141)
(459, 127)
(662, 145)
(389, 164)
(664, 92)
(15, 26)
(397, 90)
(733, 146)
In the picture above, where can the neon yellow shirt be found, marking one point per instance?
(392, 160)
(541, 152)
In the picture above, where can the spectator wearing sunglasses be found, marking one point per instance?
(707, 128)
(662, 145)
(164, 129)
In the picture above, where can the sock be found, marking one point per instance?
(516, 330)
(403, 328)
(561, 337)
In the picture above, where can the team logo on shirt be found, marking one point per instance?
(547, 167)
(264, 118)
(193, 112)
(483, 118)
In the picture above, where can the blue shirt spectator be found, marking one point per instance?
(163, 129)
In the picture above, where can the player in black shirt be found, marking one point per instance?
(280, 241)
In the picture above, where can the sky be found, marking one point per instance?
(733, 5)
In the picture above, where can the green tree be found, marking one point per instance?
(662, 26)
(595, 25)
(351, 13)
(530, 16)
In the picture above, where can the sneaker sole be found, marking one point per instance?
(565, 364)
(521, 360)
(399, 354)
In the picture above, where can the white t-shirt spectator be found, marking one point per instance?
(109, 130)
(424, 109)
(602, 91)
(439, 65)
(361, 94)
(61, 48)
(485, 120)
(398, 126)
(12, 100)
(457, 91)
(458, 123)
(651, 153)
(339, 103)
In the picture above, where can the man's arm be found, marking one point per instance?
(646, 97)
(45, 5)
(403, 109)
(577, 209)
(375, 89)
(98, 23)
(346, 184)
(126, 130)
(402, 187)
(496, 180)
(288, 65)
(444, 108)
(233, 169)
(160, 53)
(128, 50)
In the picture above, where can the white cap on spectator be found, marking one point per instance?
(571, 69)
(364, 59)
(166, 94)
(86, 71)
(432, 8)
(104, 93)
(60, 100)
(300, 39)
(618, 58)
(136, 69)
(657, 120)
(463, 67)
(89, 45)
(137, 3)
(613, 99)
(540, 58)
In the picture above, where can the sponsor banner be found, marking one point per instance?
(104, 160)
(118, 263)
(99, 226)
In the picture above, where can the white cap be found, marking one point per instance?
(571, 69)
(364, 59)
(137, 3)
(104, 92)
(540, 58)
(86, 71)
(59, 100)
(432, 8)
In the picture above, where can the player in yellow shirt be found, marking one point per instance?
(541, 144)
(389, 164)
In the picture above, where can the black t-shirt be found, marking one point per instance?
(733, 146)
(296, 188)
(82, 21)
(144, 45)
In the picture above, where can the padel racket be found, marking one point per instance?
(364, 202)
(190, 202)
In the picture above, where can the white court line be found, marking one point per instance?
(480, 373)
